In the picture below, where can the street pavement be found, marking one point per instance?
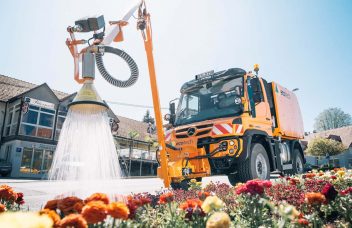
(38, 192)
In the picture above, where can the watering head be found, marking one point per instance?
(88, 98)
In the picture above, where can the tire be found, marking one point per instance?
(257, 166)
(297, 162)
(184, 185)
(233, 179)
(5, 174)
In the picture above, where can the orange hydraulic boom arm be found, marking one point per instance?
(144, 22)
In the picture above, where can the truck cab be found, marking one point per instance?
(234, 123)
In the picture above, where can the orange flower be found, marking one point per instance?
(2, 208)
(202, 195)
(310, 175)
(191, 203)
(78, 206)
(118, 210)
(7, 193)
(73, 220)
(66, 204)
(98, 197)
(94, 212)
(315, 198)
(166, 198)
(52, 215)
(51, 204)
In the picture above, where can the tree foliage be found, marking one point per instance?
(322, 146)
(332, 118)
(147, 118)
(133, 134)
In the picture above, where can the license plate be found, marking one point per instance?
(186, 171)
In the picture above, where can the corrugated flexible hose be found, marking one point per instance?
(130, 62)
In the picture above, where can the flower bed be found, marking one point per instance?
(314, 199)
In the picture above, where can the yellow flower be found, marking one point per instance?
(289, 210)
(212, 203)
(193, 181)
(25, 219)
(199, 183)
(341, 173)
(219, 220)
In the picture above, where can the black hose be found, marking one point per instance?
(130, 62)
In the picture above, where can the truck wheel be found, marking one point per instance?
(184, 185)
(297, 162)
(233, 179)
(257, 166)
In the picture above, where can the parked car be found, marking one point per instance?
(5, 168)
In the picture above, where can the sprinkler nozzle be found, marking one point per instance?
(88, 98)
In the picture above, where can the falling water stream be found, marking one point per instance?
(85, 159)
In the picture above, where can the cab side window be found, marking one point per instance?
(257, 90)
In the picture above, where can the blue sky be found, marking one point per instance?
(304, 43)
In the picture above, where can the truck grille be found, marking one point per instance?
(199, 130)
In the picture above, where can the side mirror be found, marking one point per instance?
(172, 109)
(171, 116)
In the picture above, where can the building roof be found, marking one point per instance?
(126, 125)
(343, 134)
(12, 87)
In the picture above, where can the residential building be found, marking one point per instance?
(31, 118)
(343, 135)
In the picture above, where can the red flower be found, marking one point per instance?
(253, 187)
(132, 207)
(333, 177)
(145, 200)
(166, 198)
(303, 222)
(346, 191)
(19, 199)
(329, 192)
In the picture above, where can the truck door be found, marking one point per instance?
(263, 116)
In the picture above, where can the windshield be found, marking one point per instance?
(219, 98)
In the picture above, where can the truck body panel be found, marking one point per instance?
(288, 114)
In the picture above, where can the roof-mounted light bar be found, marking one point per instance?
(205, 75)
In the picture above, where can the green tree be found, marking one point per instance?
(133, 134)
(332, 118)
(322, 146)
(147, 118)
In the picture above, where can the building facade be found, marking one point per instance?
(31, 118)
(343, 135)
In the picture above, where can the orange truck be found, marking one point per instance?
(232, 123)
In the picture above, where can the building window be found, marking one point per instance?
(11, 122)
(38, 122)
(6, 156)
(36, 161)
(59, 123)
(335, 162)
(349, 163)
